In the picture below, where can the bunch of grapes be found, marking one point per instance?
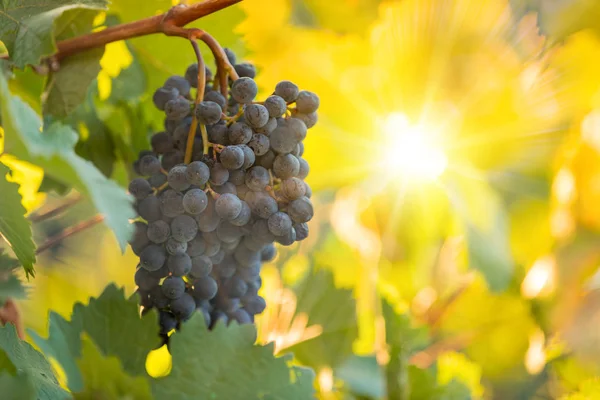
(209, 225)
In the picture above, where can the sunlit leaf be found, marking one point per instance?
(14, 227)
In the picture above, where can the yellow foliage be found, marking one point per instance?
(452, 365)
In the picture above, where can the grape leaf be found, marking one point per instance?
(104, 377)
(15, 228)
(113, 323)
(19, 387)
(334, 310)
(225, 364)
(363, 376)
(26, 26)
(53, 151)
(29, 361)
(67, 88)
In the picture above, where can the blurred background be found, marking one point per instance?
(455, 251)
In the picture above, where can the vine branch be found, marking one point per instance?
(177, 16)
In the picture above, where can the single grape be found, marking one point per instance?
(179, 83)
(246, 257)
(163, 95)
(301, 210)
(287, 91)
(288, 239)
(239, 133)
(228, 206)
(240, 316)
(308, 190)
(140, 240)
(196, 246)
(227, 187)
(262, 204)
(175, 247)
(179, 264)
(297, 128)
(282, 140)
(208, 220)
(158, 297)
(244, 216)
(195, 201)
(237, 176)
(171, 203)
(242, 190)
(276, 106)
(230, 55)
(254, 304)
(172, 159)
(157, 180)
(152, 257)
(191, 75)
(301, 231)
(160, 273)
(259, 144)
(144, 280)
(286, 166)
(309, 119)
(140, 188)
(212, 248)
(244, 90)
(177, 109)
(208, 112)
(293, 188)
(266, 160)
(218, 134)
(236, 287)
(218, 174)
(232, 157)
(229, 233)
(149, 165)
(268, 253)
(205, 288)
(279, 223)
(245, 70)
(256, 115)
(197, 173)
(252, 244)
(177, 178)
(304, 168)
(216, 97)
(217, 258)
(158, 231)
(161, 142)
(201, 267)
(307, 102)
(150, 209)
(183, 307)
(173, 287)
(249, 157)
(257, 178)
(167, 321)
(183, 228)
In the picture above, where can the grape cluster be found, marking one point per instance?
(209, 225)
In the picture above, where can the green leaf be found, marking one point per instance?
(485, 222)
(561, 18)
(225, 364)
(74, 23)
(362, 376)
(52, 150)
(95, 138)
(104, 377)
(6, 365)
(15, 228)
(26, 26)
(67, 88)
(29, 361)
(333, 309)
(19, 387)
(113, 323)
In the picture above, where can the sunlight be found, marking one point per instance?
(410, 150)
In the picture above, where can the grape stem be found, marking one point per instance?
(69, 231)
(43, 216)
(179, 16)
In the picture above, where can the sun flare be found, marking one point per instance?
(411, 151)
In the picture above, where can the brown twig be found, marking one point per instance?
(69, 231)
(176, 16)
(38, 217)
(199, 97)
